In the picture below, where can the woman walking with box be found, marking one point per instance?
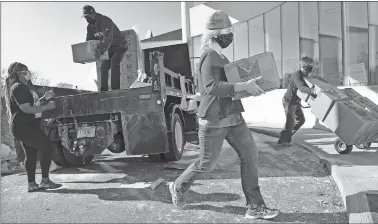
(24, 114)
(220, 118)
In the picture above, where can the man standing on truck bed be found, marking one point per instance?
(292, 103)
(102, 28)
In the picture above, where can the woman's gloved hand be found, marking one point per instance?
(252, 88)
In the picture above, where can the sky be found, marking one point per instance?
(40, 34)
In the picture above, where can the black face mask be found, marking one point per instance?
(90, 21)
(307, 70)
(224, 40)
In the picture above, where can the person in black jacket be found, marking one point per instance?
(292, 103)
(102, 28)
(25, 123)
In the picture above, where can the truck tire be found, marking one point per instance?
(176, 139)
(118, 146)
(57, 155)
(73, 160)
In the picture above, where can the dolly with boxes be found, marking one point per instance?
(352, 117)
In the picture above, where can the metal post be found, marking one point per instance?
(344, 40)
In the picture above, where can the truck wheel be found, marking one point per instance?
(74, 160)
(176, 140)
(57, 155)
(156, 157)
(118, 145)
(341, 147)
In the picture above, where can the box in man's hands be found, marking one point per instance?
(248, 68)
(86, 51)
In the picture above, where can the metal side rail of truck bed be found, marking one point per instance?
(156, 120)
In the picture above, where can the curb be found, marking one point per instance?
(357, 206)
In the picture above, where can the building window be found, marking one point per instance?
(240, 41)
(357, 43)
(273, 35)
(290, 39)
(373, 43)
(330, 41)
(256, 36)
(309, 32)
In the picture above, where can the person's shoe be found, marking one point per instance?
(261, 212)
(284, 144)
(33, 187)
(48, 184)
(177, 197)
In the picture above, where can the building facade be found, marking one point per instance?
(341, 37)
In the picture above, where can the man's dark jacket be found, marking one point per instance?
(105, 30)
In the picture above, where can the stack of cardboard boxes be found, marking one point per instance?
(129, 64)
(352, 117)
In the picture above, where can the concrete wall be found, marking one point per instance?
(267, 110)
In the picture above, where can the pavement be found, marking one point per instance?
(116, 189)
(356, 174)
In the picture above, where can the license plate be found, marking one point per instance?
(86, 132)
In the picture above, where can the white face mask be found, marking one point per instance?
(27, 75)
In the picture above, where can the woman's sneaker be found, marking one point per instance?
(177, 197)
(261, 212)
(33, 187)
(48, 184)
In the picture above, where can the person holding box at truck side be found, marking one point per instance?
(25, 125)
(102, 28)
(292, 103)
(220, 118)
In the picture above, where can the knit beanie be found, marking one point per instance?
(218, 20)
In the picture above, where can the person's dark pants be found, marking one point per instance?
(116, 55)
(33, 140)
(294, 121)
(211, 141)
(19, 151)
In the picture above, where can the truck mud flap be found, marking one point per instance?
(145, 133)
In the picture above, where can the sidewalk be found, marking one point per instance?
(356, 174)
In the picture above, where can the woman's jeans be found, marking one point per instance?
(211, 141)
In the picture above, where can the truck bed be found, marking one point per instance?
(103, 103)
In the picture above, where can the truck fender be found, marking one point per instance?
(171, 109)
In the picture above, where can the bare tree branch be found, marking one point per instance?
(65, 85)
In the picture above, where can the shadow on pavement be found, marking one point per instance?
(355, 158)
(161, 194)
(281, 218)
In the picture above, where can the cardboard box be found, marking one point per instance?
(369, 106)
(130, 56)
(350, 121)
(129, 67)
(85, 52)
(259, 65)
(324, 101)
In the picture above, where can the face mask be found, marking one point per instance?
(89, 20)
(27, 75)
(224, 40)
(307, 70)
